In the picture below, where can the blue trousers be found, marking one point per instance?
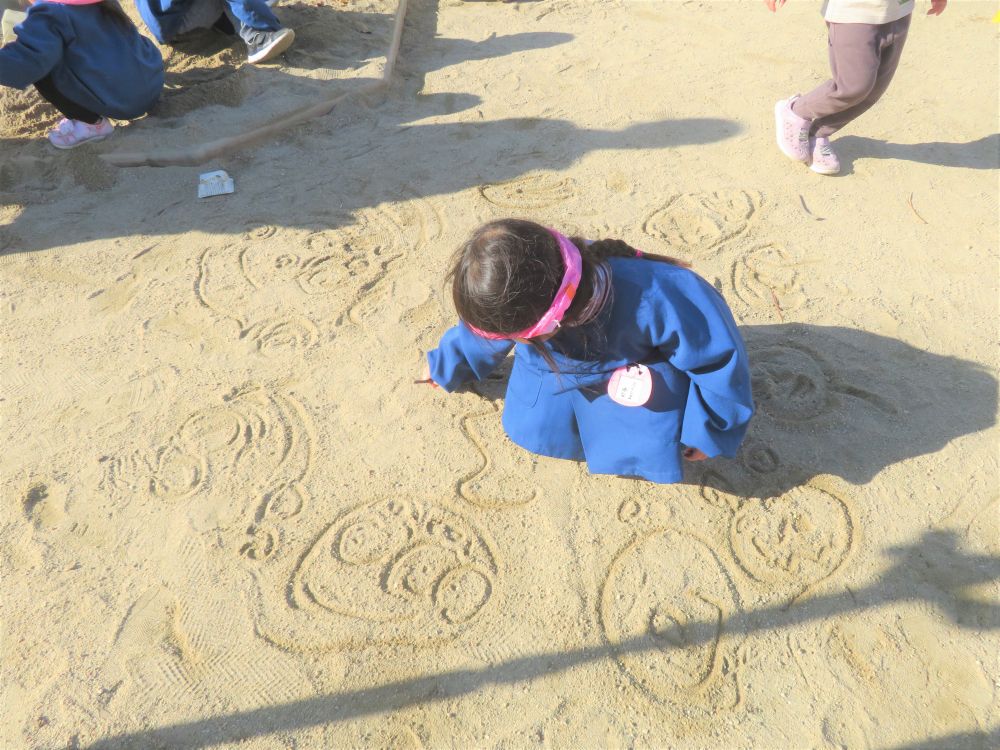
(245, 15)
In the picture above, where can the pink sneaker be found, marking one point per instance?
(72, 133)
(791, 130)
(824, 158)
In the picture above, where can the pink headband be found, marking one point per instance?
(564, 297)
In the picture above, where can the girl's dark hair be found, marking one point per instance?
(507, 274)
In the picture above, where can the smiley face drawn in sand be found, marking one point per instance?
(282, 336)
(766, 277)
(795, 540)
(789, 383)
(253, 446)
(667, 622)
(700, 222)
(335, 261)
(284, 298)
(793, 384)
(791, 541)
(411, 568)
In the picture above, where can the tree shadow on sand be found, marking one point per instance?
(934, 570)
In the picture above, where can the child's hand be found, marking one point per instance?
(937, 7)
(773, 5)
(693, 454)
(425, 377)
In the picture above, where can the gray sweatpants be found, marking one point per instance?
(863, 59)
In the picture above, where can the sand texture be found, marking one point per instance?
(230, 519)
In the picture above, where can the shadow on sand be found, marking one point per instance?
(847, 403)
(837, 401)
(933, 570)
(982, 153)
(462, 155)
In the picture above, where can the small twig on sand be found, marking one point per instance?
(808, 212)
(910, 202)
(781, 313)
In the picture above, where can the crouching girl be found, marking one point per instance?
(89, 61)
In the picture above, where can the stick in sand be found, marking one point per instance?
(781, 313)
(213, 149)
(910, 201)
(806, 209)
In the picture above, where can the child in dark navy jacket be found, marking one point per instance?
(89, 61)
(626, 360)
(252, 20)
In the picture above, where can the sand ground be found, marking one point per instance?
(229, 518)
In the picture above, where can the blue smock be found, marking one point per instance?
(94, 59)
(165, 18)
(663, 316)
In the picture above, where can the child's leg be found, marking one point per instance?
(863, 59)
(251, 15)
(200, 14)
(263, 33)
(71, 110)
(893, 39)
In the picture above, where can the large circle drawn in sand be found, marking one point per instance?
(766, 276)
(532, 191)
(663, 608)
(702, 221)
(795, 540)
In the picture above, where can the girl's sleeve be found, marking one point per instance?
(692, 325)
(462, 356)
(38, 49)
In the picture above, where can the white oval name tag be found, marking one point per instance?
(631, 385)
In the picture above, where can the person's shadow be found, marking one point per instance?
(983, 153)
(847, 403)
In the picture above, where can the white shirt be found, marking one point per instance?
(866, 11)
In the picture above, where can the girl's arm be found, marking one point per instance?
(39, 47)
(462, 356)
(693, 326)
